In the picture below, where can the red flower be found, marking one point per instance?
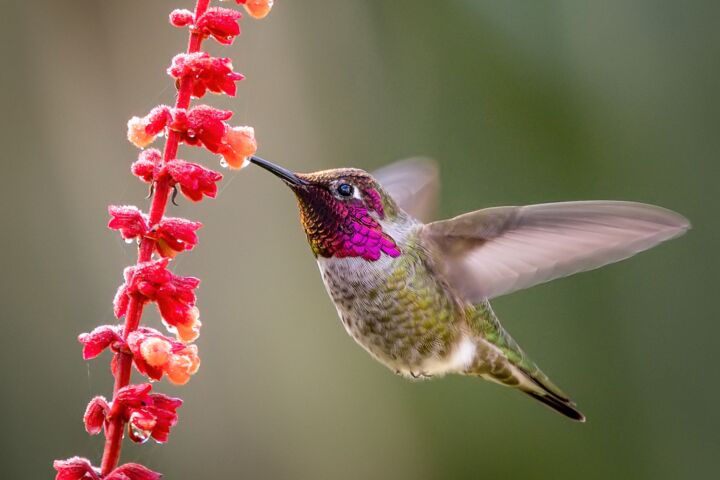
(174, 295)
(96, 415)
(201, 124)
(207, 73)
(132, 471)
(173, 235)
(239, 144)
(194, 180)
(221, 23)
(155, 354)
(147, 414)
(99, 339)
(75, 468)
(129, 220)
(143, 131)
(148, 164)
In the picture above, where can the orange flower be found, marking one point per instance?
(258, 8)
(239, 144)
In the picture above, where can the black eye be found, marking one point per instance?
(345, 190)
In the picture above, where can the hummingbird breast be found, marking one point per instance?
(399, 311)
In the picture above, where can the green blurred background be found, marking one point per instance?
(520, 102)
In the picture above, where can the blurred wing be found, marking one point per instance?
(413, 184)
(495, 251)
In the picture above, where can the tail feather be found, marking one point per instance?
(557, 402)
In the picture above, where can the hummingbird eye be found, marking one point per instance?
(345, 190)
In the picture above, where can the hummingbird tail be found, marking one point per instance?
(558, 403)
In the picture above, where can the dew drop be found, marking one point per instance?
(223, 163)
(129, 240)
(139, 435)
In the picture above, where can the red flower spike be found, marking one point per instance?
(181, 18)
(206, 72)
(75, 468)
(173, 235)
(240, 144)
(221, 23)
(201, 124)
(99, 339)
(194, 180)
(257, 9)
(146, 414)
(143, 131)
(96, 415)
(132, 471)
(147, 166)
(129, 220)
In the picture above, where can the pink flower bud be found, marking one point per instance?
(181, 18)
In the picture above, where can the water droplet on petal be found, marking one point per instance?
(129, 240)
(138, 435)
(223, 163)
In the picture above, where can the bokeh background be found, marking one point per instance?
(520, 102)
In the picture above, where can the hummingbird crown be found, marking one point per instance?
(341, 211)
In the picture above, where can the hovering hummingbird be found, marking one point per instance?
(416, 295)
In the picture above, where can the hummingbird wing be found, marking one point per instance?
(413, 184)
(495, 251)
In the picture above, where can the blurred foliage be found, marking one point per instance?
(520, 102)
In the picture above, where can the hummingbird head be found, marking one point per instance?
(342, 210)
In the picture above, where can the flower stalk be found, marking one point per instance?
(154, 355)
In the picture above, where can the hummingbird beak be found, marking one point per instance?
(279, 171)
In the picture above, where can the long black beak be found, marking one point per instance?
(278, 171)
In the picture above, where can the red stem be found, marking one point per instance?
(116, 427)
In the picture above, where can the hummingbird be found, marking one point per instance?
(416, 296)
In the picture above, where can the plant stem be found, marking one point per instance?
(116, 427)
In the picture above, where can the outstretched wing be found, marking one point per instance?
(491, 252)
(413, 184)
